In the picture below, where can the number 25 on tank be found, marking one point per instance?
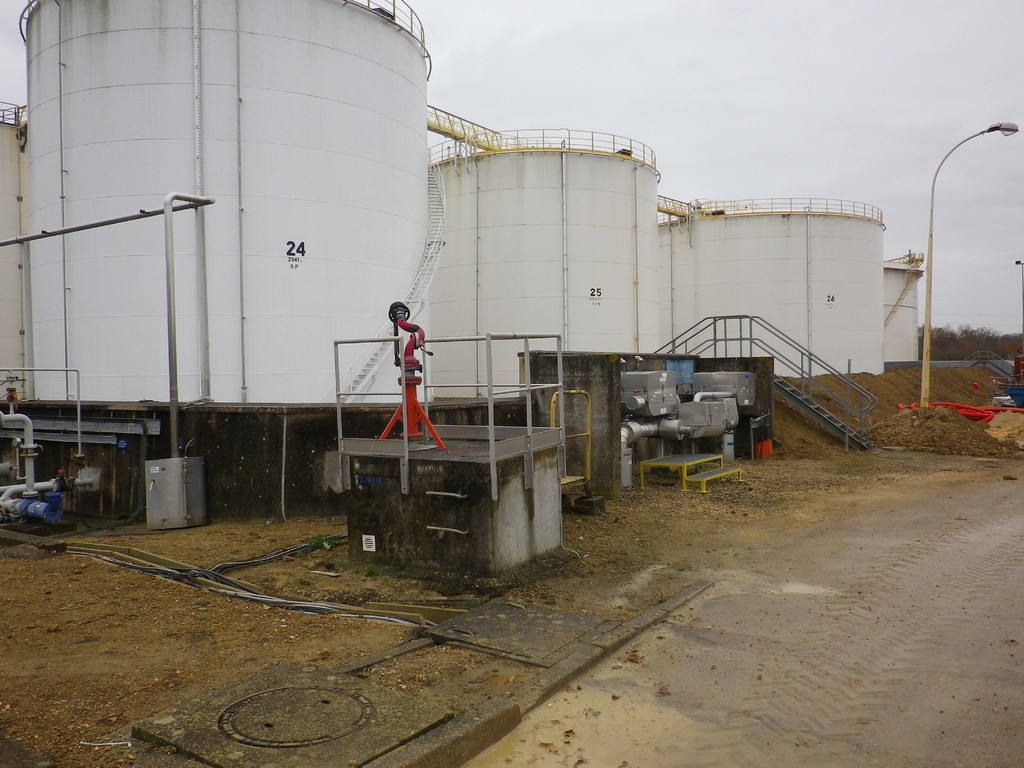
(295, 253)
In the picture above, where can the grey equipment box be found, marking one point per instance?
(175, 493)
(649, 393)
(740, 384)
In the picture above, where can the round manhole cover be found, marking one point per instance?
(295, 717)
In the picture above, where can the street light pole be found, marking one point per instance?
(1021, 265)
(1007, 129)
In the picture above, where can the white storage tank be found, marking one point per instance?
(304, 119)
(10, 227)
(554, 232)
(901, 323)
(810, 267)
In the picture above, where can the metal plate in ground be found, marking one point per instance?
(292, 715)
(525, 633)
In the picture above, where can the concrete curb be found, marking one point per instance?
(597, 649)
(457, 741)
(466, 736)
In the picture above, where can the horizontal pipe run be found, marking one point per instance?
(97, 224)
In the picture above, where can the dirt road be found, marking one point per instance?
(891, 638)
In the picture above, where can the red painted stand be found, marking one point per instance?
(416, 415)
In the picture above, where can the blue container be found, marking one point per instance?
(1017, 395)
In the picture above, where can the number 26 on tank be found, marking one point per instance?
(295, 253)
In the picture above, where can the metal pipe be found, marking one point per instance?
(565, 245)
(27, 348)
(103, 223)
(172, 329)
(241, 209)
(11, 490)
(29, 447)
(284, 462)
(78, 392)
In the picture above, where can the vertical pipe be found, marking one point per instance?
(565, 244)
(284, 461)
(636, 268)
(476, 280)
(26, 314)
(491, 454)
(807, 287)
(202, 302)
(202, 306)
(172, 328)
(241, 209)
(63, 195)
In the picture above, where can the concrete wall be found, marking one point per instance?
(249, 451)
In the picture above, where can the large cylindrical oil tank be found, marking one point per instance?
(304, 119)
(899, 283)
(555, 232)
(11, 135)
(810, 267)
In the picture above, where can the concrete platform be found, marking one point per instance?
(526, 633)
(292, 715)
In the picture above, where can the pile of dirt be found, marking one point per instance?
(1007, 425)
(799, 438)
(939, 430)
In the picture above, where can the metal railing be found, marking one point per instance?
(396, 11)
(749, 335)
(814, 205)
(669, 209)
(11, 114)
(502, 442)
(541, 139)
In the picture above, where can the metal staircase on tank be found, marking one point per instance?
(822, 393)
(366, 367)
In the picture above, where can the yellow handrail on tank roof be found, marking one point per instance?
(704, 209)
(470, 138)
(397, 11)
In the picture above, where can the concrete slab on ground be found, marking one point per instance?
(14, 755)
(527, 633)
(292, 715)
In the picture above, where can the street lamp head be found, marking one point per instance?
(1007, 129)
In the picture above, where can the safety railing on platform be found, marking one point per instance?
(502, 442)
(749, 336)
(813, 205)
(554, 140)
(396, 11)
(11, 114)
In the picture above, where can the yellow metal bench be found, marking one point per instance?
(684, 462)
(712, 474)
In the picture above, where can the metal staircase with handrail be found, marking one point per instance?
(842, 408)
(367, 365)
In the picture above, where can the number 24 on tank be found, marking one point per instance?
(295, 253)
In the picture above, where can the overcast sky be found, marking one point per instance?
(753, 99)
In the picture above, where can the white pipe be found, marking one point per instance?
(78, 392)
(172, 326)
(241, 209)
(29, 446)
(11, 490)
(565, 246)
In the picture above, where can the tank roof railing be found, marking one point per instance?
(670, 210)
(547, 140)
(459, 129)
(396, 11)
(11, 114)
(704, 209)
